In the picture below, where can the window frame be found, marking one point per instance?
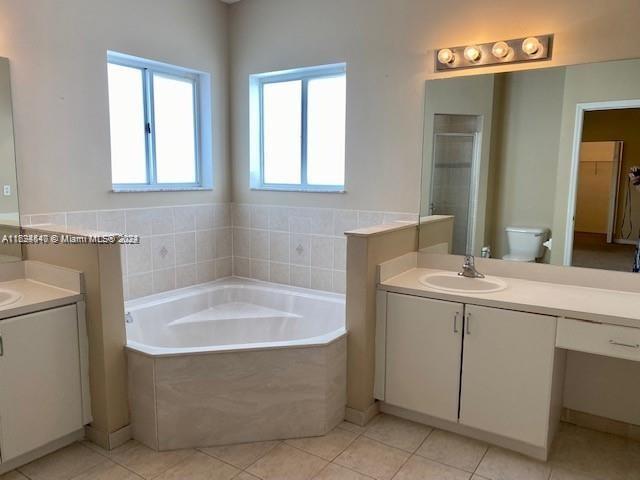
(257, 83)
(201, 113)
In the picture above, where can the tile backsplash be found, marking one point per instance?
(185, 245)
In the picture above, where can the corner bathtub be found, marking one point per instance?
(235, 361)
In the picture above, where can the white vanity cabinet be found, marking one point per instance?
(424, 345)
(507, 373)
(485, 372)
(42, 379)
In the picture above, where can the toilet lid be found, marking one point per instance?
(514, 257)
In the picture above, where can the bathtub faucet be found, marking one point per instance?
(128, 318)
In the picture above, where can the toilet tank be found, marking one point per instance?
(525, 243)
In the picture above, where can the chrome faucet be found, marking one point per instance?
(469, 268)
(128, 318)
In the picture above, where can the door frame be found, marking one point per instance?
(581, 108)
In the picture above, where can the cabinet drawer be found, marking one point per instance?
(601, 339)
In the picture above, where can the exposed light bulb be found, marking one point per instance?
(500, 49)
(446, 56)
(472, 53)
(531, 45)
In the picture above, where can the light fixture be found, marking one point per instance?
(472, 53)
(501, 52)
(531, 45)
(446, 56)
(500, 49)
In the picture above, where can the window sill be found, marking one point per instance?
(159, 189)
(299, 190)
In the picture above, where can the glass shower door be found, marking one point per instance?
(451, 184)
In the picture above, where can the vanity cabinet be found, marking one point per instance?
(507, 373)
(41, 379)
(481, 369)
(424, 346)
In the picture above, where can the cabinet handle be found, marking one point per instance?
(1, 347)
(468, 324)
(620, 344)
(455, 322)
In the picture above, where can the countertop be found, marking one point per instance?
(36, 296)
(583, 303)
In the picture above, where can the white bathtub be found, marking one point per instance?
(233, 314)
(235, 361)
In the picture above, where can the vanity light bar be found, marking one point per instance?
(526, 49)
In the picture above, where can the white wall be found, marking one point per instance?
(388, 49)
(57, 52)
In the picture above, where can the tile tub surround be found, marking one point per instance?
(223, 398)
(179, 245)
(185, 245)
(300, 246)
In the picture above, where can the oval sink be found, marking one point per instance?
(452, 282)
(7, 297)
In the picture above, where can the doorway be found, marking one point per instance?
(605, 230)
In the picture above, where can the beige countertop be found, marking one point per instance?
(36, 296)
(583, 303)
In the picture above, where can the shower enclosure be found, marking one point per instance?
(456, 148)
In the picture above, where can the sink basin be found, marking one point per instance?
(452, 282)
(7, 297)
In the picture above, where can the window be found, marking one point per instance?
(158, 118)
(298, 129)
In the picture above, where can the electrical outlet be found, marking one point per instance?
(6, 190)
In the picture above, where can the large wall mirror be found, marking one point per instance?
(534, 165)
(9, 211)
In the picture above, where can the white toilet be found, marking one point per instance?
(524, 244)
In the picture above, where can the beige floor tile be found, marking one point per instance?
(454, 450)
(500, 464)
(287, 463)
(596, 454)
(245, 476)
(63, 464)
(241, 455)
(336, 472)
(418, 468)
(478, 477)
(200, 467)
(352, 427)
(397, 432)
(562, 474)
(107, 470)
(14, 475)
(372, 458)
(147, 462)
(328, 446)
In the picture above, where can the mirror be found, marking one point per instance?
(9, 211)
(537, 165)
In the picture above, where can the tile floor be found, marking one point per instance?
(388, 448)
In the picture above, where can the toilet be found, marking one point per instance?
(524, 244)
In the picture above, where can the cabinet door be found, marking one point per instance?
(40, 398)
(424, 341)
(507, 373)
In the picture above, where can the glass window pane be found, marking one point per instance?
(282, 110)
(126, 112)
(173, 106)
(326, 99)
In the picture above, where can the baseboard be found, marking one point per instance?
(625, 241)
(108, 441)
(533, 451)
(42, 451)
(601, 424)
(360, 417)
